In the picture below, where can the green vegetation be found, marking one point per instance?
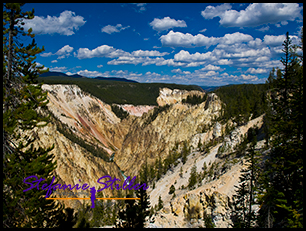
(160, 203)
(21, 102)
(278, 185)
(171, 189)
(243, 215)
(281, 198)
(155, 113)
(192, 178)
(193, 100)
(119, 112)
(118, 92)
(240, 101)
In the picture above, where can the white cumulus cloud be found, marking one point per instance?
(66, 24)
(178, 39)
(166, 23)
(101, 51)
(255, 14)
(64, 51)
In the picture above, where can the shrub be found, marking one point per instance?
(172, 189)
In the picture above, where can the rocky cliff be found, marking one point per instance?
(211, 196)
(149, 139)
(149, 132)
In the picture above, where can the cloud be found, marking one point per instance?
(274, 40)
(58, 69)
(210, 67)
(88, 73)
(111, 52)
(263, 29)
(148, 53)
(179, 71)
(178, 39)
(277, 40)
(101, 51)
(46, 54)
(64, 51)
(185, 56)
(141, 6)
(112, 29)
(66, 24)
(166, 23)
(236, 37)
(255, 14)
(257, 71)
(211, 11)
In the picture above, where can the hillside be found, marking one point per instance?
(118, 92)
(86, 132)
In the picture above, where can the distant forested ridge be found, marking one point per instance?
(118, 92)
(241, 101)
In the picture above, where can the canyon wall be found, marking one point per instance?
(148, 133)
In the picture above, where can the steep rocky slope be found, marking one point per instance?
(148, 133)
(153, 139)
(75, 165)
(212, 196)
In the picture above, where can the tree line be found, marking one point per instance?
(243, 102)
(277, 186)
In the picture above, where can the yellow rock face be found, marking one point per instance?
(133, 140)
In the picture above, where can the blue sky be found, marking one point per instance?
(204, 44)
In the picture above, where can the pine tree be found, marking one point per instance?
(243, 215)
(98, 212)
(193, 177)
(160, 203)
(135, 212)
(23, 106)
(171, 189)
(184, 152)
(143, 204)
(181, 172)
(143, 207)
(282, 197)
(128, 216)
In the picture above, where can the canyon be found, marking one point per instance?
(143, 137)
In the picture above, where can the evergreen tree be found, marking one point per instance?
(193, 177)
(243, 215)
(98, 212)
(82, 217)
(172, 189)
(134, 214)
(143, 207)
(128, 216)
(143, 204)
(282, 197)
(160, 203)
(23, 106)
(184, 152)
(181, 172)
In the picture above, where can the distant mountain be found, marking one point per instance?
(54, 73)
(116, 79)
(209, 88)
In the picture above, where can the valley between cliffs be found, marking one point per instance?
(144, 136)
